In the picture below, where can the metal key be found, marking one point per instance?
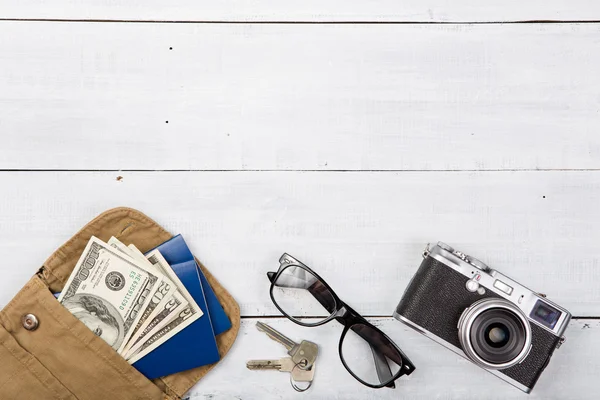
(303, 354)
(282, 365)
(277, 336)
(286, 365)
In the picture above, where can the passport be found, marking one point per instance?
(176, 251)
(195, 345)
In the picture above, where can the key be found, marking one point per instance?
(304, 353)
(304, 375)
(282, 365)
(277, 336)
(286, 365)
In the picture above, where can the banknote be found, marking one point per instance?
(108, 292)
(162, 313)
(160, 336)
(162, 316)
(162, 293)
(163, 332)
(157, 260)
(120, 246)
(138, 255)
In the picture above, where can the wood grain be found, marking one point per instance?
(363, 232)
(440, 374)
(307, 11)
(114, 96)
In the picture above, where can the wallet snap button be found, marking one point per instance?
(30, 322)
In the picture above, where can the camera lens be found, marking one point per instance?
(497, 335)
(494, 333)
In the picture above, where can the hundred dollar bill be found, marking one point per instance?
(107, 292)
(183, 318)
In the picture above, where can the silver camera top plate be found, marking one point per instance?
(482, 278)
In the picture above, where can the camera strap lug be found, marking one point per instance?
(560, 342)
(426, 251)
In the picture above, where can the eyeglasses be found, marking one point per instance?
(367, 353)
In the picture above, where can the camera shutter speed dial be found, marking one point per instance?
(478, 264)
(445, 247)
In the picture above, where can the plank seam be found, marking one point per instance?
(309, 170)
(301, 22)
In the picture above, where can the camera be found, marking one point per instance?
(483, 315)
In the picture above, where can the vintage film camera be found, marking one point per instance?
(485, 316)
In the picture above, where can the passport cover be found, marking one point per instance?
(195, 345)
(176, 251)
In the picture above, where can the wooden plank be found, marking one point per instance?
(306, 11)
(440, 374)
(299, 97)
(363, 232)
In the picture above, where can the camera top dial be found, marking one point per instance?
(464, 257)
(445, 247)
(478, 264)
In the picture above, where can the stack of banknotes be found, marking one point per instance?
(135, 302)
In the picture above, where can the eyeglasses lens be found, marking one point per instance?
(300, 294)
(369, 355)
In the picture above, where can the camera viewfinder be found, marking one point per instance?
(545, 314)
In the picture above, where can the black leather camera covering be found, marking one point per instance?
(435, 300)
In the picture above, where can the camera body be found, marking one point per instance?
(483, 315)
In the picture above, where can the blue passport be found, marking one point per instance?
(195, 345)
(176, 251)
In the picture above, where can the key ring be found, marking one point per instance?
(293, 382)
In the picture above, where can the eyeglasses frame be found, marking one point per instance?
(346, 316)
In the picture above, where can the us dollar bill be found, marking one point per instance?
(163, 313)
(108, 292)
(162, 291)
(121, 247)
(157, 260)
(182, 318)
(163, 334)
(138, 255)
(162, 295)
(163, 316)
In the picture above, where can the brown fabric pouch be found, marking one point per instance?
(62, 358)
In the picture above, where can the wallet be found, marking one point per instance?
(47, 353)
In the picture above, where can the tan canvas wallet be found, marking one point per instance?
(47, 353)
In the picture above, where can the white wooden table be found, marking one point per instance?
(347, 133)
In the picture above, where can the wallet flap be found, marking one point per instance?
(131, 226)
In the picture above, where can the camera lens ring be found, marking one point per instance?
(470, 316)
